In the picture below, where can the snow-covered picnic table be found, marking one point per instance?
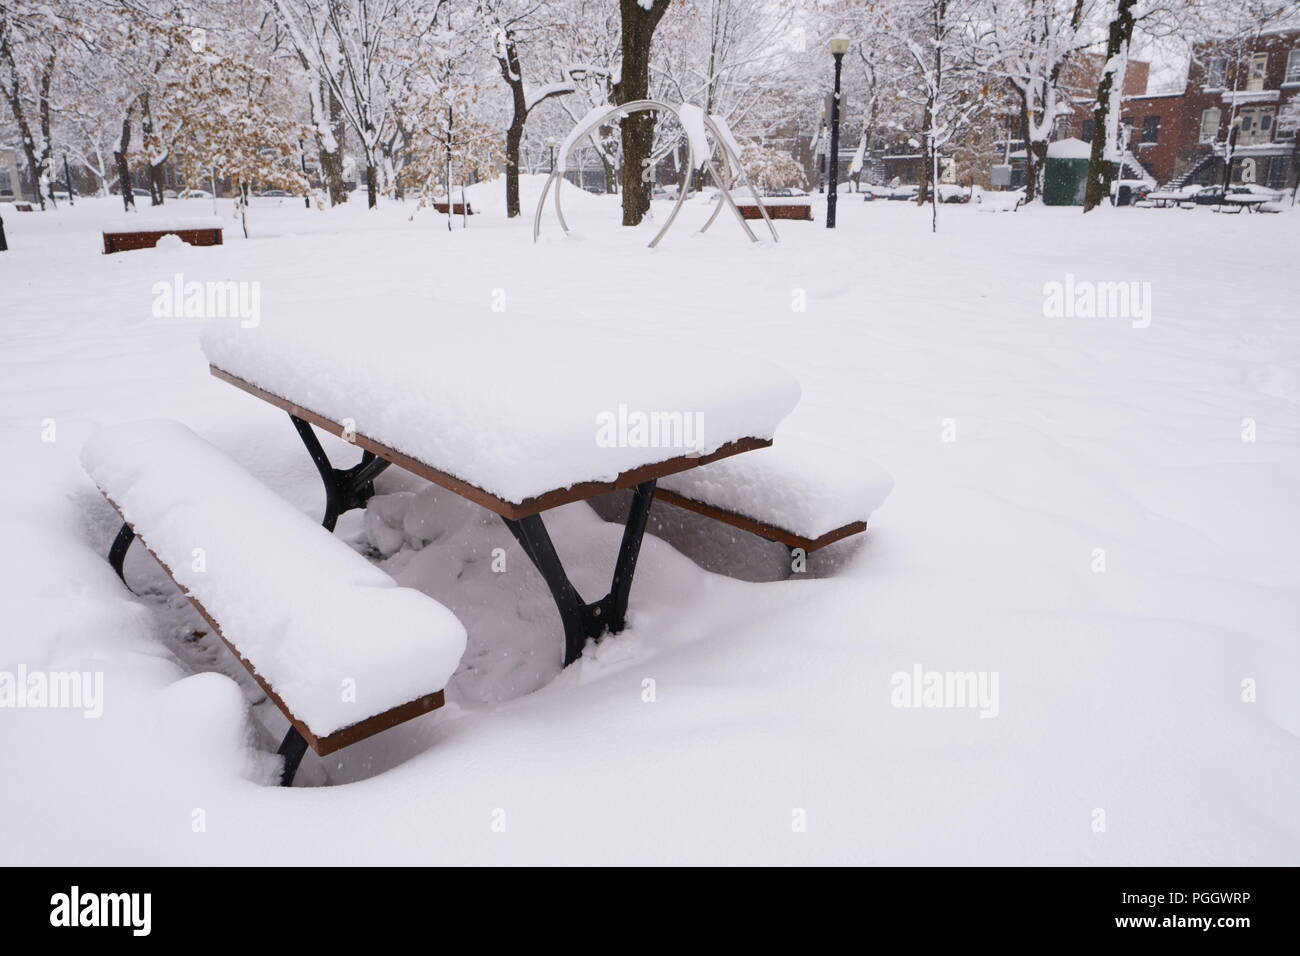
(1163, 198)
(1239, 201)
(517, 415)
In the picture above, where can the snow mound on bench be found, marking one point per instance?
(511, 404)
(799, 485)
(303, 608)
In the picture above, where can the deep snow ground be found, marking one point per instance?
(1119, 691)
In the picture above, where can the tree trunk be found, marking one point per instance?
(331, 160)
(119, 160)
(4, 245)
(1101, 173)
(511, 72)
(634, 84)
(154, 170)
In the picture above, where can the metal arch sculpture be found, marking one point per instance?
(735, 173)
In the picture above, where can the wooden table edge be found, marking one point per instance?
(507, 509)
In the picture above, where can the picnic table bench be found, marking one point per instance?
(297, 606)
(145, 233)
(801, 493)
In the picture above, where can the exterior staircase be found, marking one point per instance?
(1198, 167)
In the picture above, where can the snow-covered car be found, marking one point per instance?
(904, 193)
(950, 192)
(194, 194)
(170, 194)
(274, 194)
(1139, 189)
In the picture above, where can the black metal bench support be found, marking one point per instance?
(291, 749)
(583, 621)
(345, 488)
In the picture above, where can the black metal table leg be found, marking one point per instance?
(345, 488)
(628, 552)
(583, 621)
(291, 749)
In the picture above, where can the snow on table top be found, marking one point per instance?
(163, 224)
(515, 406)
(296, 602)
(797, 484)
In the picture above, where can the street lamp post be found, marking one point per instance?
(839, 46)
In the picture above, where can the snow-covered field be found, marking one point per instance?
(1102, 512)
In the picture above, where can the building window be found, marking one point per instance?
(1216, 74)
(1086, 132)
(1293, 67)
(1151, 129)
(1258, 70)
(1255, 126)
(1210, 125)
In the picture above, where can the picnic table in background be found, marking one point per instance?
(1163, 198)
(1236, 202)
(516, 415)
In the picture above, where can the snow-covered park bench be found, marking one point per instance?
(778, 207)
(339, 648)
(516, 415)
(457, 208)
(145, 234)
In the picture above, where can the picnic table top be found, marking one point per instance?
(1245, 199)
(517, 413)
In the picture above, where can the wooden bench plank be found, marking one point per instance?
(764, 530)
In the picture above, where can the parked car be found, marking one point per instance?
(949, 192)
(274, 194)
(194, 194)
(170, 194)
(904, 193)
(871, 193)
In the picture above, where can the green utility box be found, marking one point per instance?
(1065, 176)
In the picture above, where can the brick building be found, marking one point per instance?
(1242, 98)
(1244, 89)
